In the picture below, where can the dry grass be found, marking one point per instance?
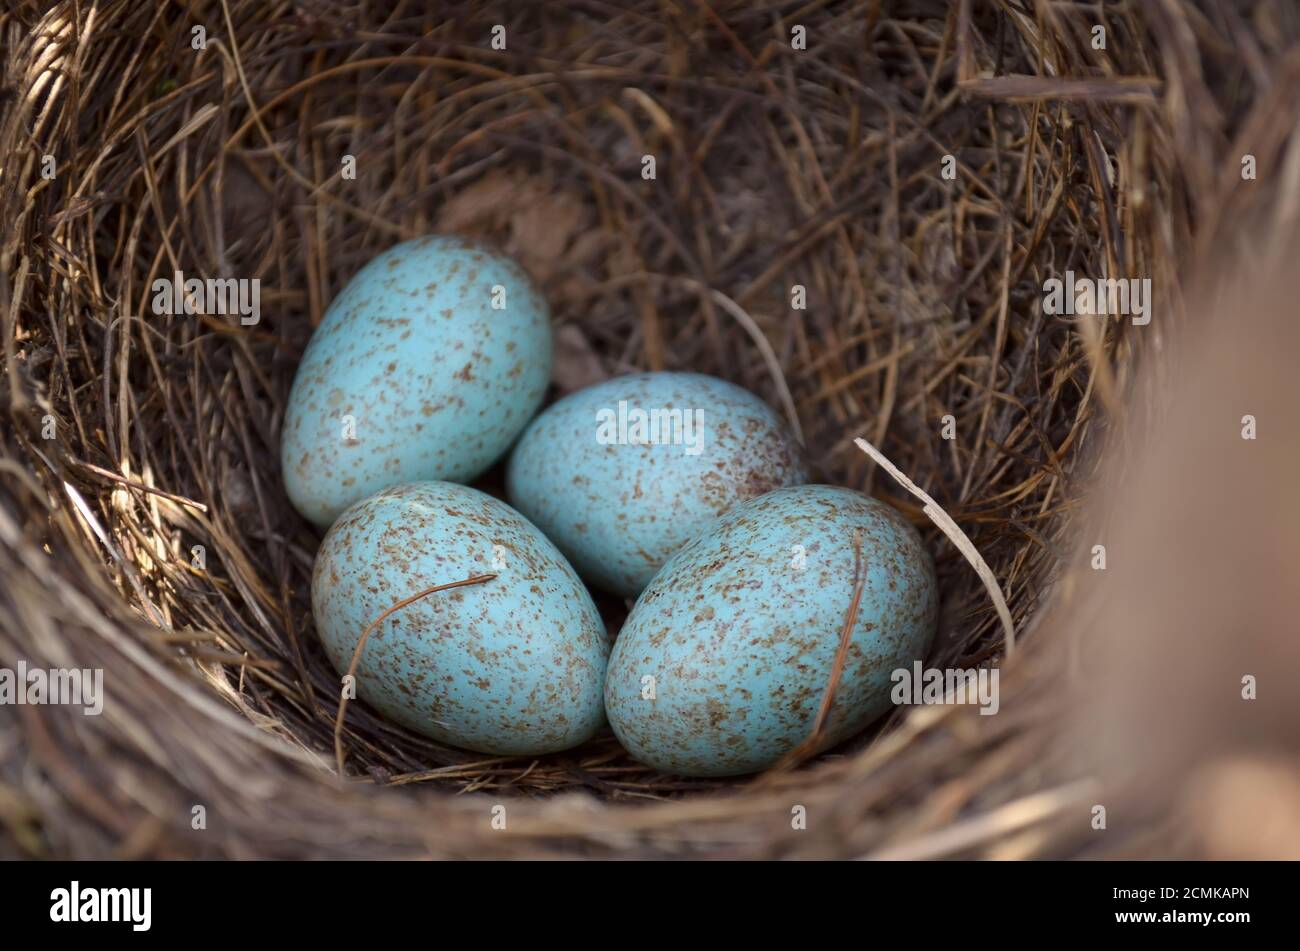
(776, 167)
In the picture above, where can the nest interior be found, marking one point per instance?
(919, 169)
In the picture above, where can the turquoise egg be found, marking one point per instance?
(513, 666)
(723, 662)
(623, 473)
(426, 366)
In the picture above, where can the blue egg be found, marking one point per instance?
(513, 666)
(427, 366)
(723, 662)
(621, 474)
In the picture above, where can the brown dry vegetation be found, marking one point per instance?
(127, 438)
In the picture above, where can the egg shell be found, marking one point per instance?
(741, 640)
(512, 666)
(618, 510)
(436, 382)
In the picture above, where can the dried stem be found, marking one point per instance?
(365, 636)
(955, 535)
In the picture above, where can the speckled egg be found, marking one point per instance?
(621, 474)
(512, 666)
(427, 366)
(722, 665)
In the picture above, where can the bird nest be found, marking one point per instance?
(850, 208)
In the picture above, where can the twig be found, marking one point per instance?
(356, 654)
(122, 480)
(809, 746)
(760, 340)
(955, 534)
